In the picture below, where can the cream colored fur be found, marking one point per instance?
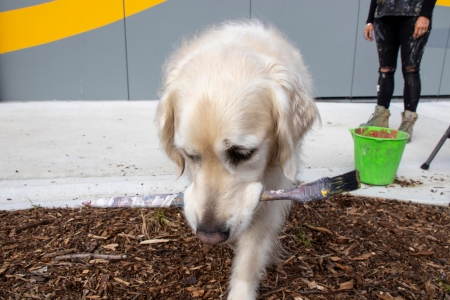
(235, 104)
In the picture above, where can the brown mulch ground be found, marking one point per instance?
(344, 248)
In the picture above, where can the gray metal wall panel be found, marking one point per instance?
(444, 42)
(433, 58)
(445, 80)
(104, 63)
(38, 73)
(153, 34)
(325, 34)
(91, 65)
(366, 59)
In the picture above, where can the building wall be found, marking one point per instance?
(115, 49)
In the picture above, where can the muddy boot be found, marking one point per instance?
(379, 118)
(408, 120)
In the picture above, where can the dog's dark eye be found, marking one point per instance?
(236, 154)
(194, 157)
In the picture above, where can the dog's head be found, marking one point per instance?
(227, 118)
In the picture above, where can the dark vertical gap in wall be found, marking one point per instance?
(250, 13)
(126, 48)
(443, 63)
(354, 50)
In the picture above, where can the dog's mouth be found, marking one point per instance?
(212, 237)
(222, 220)
(211, 230)
(214, 232)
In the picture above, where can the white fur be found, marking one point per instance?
(237, 88)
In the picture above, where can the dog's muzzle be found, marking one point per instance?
(212, 235)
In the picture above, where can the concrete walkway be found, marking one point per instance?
(60, 153)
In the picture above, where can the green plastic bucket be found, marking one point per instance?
(378, 152)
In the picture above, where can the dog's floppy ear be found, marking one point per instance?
(294, 114)
(166, 121)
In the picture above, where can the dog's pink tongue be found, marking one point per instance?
(212, 238)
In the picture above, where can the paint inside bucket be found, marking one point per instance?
(384, 133)
(378, 152)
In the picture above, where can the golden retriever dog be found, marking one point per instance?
(235, 104)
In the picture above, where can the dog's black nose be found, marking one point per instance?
(212, 235)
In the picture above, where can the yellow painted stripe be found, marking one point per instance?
(134, 6)
(443, 2)
(44, 23)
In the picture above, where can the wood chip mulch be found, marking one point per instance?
(343, 248)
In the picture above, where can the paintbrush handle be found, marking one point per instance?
(315, 190)
(148, 201)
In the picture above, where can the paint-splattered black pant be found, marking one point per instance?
(391, 34)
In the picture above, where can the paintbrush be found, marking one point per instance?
(316, 190)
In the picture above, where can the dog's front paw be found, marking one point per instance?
(241, 290)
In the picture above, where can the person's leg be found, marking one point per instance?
(386, 37)
(411, 54)
(388, 43)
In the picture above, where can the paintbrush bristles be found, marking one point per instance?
(345, 182)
